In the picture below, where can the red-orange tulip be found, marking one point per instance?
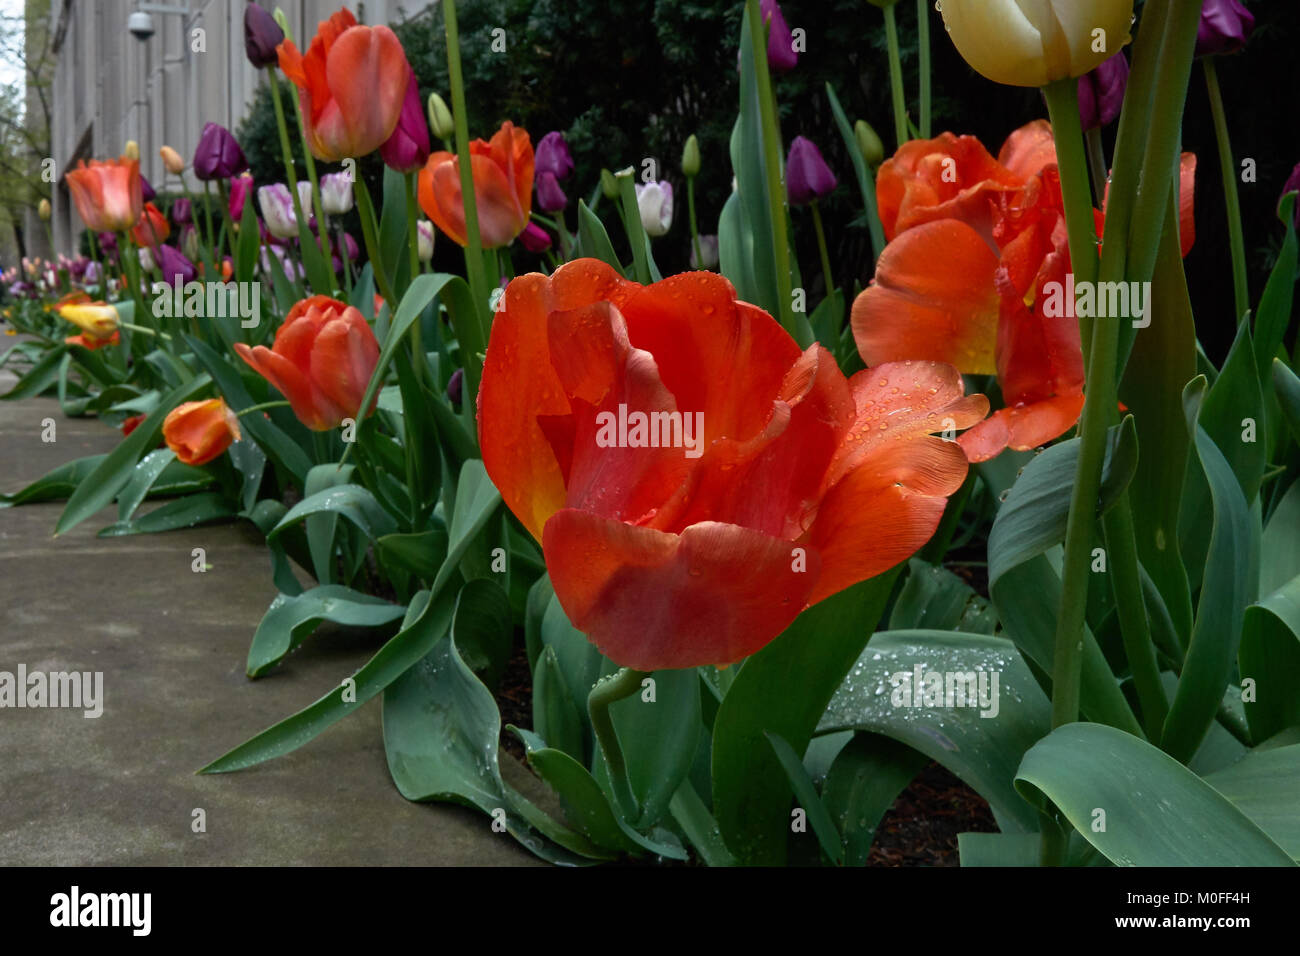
(322, 360)
(93, 342)
(503, 187)
(152, 227)
(744, 480)
(351, 84)
(107, 194)
(200, 431)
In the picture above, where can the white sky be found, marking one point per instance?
(11, 71)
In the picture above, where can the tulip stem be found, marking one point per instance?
(347, 262)
(286, 151)
(322, 229)
(609, 690)
(278, 403)
(1231, 201)
(412, 235)
(636, 236)
(896, 77)
(1097, 164)
(211, 249)
(923, 54)
(366, 213)
(772, 166)
(821, 249)
(144, 329)
(474, 268)
(695, 229)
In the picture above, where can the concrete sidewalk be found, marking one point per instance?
(121, 789)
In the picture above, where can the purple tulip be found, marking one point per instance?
(807, 176)
(182, 212)
(147, 193)
(535, 238)
(172, 263)
(456, 386)
(781, 57)
(218, 156)
(1225, 27)
(1101, 92)
(553, 156)
(261, 36)
(408, 147)
(240, 187)
(352, 250)
(550, 197)
(91, 275)
(1293, 184)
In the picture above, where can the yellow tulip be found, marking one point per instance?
(96, 319)
(132, 149)
(1035, 42)
(43, 210)
(172, 161)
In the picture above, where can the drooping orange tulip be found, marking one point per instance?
(503, 187)
(351, 84)
(97, 320)
(107, 193)
(322, 360)
(200, 431)
(152, 227)
(695, 479)
(92, 342)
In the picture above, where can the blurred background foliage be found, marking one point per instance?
(627, 80)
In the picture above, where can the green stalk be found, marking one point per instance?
(278, 403)
(322, 228)
(211, 248)
(366, 213)
(473, 240)
(412, 236)
(896, 77)
(99, 265)
(1097, 165)
(1063, 108)
(1125, 580)
(610, 690)
(347, 263)
(636, 235)
(695, 229)
(923, 46)
(1231, 201)
(286, 151)
(821, 249)
(772, 162)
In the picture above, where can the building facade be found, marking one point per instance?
(111, 85)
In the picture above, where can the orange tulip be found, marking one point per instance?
(97, 320)
(322, 361)
(200, 431)
(93, 342)
(152, 227)
(745, 481)
(107, 194)
(503, 187)
(351, 84)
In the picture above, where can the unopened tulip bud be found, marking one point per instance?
(608, 184)
(172, 161)
(283, 21)
(440, 120)
(132, 150)
(691, 157)
(872, 149)
(43, 210)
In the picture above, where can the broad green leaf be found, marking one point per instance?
(1287, 387)
(1157, 812)
(935, 599)
(55, 485)
(39, 377)
(863, 783)
(1280, 550)
(659, 739)
(100, 487)
(420, 554)
(477, 500)
(1270, 656)
(290, 620)
(352, 502)
(1274, 312)
(188, 512)
(556, 717)
(1231, 581)
(427, 623)
(751, 795)
(699, 827)
(593, 240)
(483, 629)
(1265, 786)
(321, 524)
(808, 799)
(981, 741)
(1234, 410)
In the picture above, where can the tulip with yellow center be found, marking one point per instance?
(96, 319)
(1035, 42)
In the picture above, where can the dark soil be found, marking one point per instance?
(920, 829)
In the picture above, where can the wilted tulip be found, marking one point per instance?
(218, 155)
(322, 360)
(408, 148)
(200, 431)
(107, 194)
(1225, 27)
(336, 193)
(807, 176)
(277, 210)
(424, 240)
(172, 161)
(503, 188)
(351, 83)
(1034, 42)
(655, 203)
(535, 238)
(261, 36)
(1101, 92)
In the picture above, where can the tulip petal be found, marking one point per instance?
(649, 600)
(342, 358)
(1187, 202)
(366, 70)
(933, 298)
(309, 405)
(500, 216)
(1022, 427)
(1029, 149)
